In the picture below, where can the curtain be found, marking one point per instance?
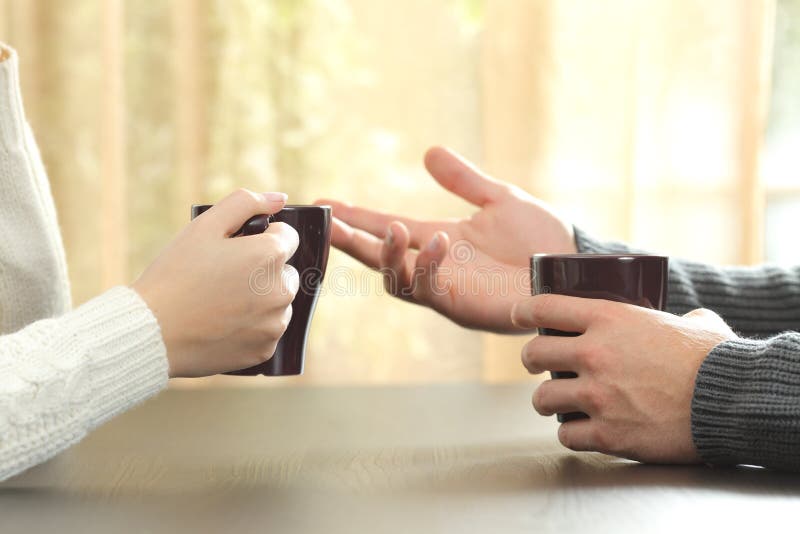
(639, 120)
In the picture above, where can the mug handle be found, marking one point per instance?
(257, 224)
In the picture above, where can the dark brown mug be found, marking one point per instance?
(639, 279)
(313, 224)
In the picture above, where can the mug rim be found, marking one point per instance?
(301, 207)
(292, 207)
(590, 256)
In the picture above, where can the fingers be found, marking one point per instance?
(230, 213)
(582, 435)
(282, 237)
(290, 282)
(408, 274)
(551, 353)
(563, 395)
(359, 244)
(425, 283)
(569, 314)
(396, 270)
(275, 326)
(461, 177)
(376, 222)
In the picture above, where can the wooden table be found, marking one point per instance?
(448, 458)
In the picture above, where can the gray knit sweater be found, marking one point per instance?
(746, 405)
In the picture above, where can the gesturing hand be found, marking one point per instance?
(476, 289)
(636, 372)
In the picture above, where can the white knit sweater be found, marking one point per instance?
(62, 372)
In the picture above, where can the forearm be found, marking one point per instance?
(33, 271)
(60, 378)
(754, 301)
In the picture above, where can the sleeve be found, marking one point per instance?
(62, 377)
(62, 373)
(746, 402)
(33, 268)
(757, 302)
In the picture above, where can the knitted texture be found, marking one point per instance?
(746, 403)
(62, 373)
(33, 269)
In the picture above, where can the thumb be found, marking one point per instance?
(230, 213)
(461, 177)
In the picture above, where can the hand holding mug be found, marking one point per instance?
(635, 367)
(199, 288)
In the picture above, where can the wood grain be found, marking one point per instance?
(455, 458)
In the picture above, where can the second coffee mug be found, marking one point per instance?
(313, 224)
(638, 279)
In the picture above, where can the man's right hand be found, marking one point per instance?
(471, 270)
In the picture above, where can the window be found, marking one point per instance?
(781, 157)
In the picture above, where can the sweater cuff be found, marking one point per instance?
(744, 408)
(125, 351)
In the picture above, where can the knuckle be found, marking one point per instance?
(589, 399)
(599, 440)
(290, 283)
(283, 240)
(286, 318)
(542, 307)
(267, 353)
(589, 357)
(270, 336)
(271, 241)
(245, 196)
(275, 249)
(391, 281)
(527, 353)
(540, 400)
(601, 310)
(565, 436)
(270, 333)
(292, 232)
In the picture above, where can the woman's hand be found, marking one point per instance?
(471, 270)
(200, 288)
(636, 372)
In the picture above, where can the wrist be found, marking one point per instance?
(144, 294)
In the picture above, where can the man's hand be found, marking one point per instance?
(471, 270)
(636, 372)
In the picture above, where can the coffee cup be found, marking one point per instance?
(313, 225)
(639, 279)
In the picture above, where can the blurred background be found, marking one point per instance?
(673, 124)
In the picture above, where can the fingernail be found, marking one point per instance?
(276, 197)
(389, 236)
(434, 244)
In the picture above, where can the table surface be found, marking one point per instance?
(444, 458)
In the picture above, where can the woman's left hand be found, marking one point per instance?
(636, 372)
